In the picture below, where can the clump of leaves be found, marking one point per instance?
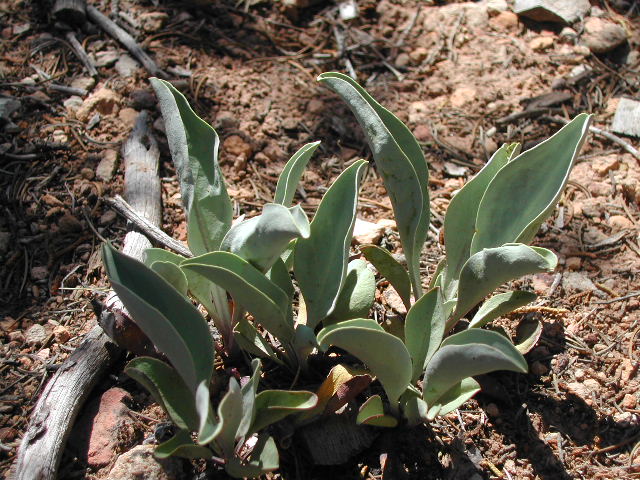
(279, 287)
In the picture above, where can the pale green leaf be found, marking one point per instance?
(454, 398)
(292, 173)
(263, 458)
(194, 149)
(182, 445)
(384, 354)
(524, 192)
(249, 287)
(169, 319)
(273, 405)
(372, 413)
(152, 255)
(250, 340)
(490, 268)
(499, 305)
(320, 261)
(167, 388)
(423, 330)
(527, 335)
(230, 415)
(357, 294)
(414, 409)
(172, 274)
(249, 392)
(390, 269)
(400, 162)
(262, 239)
(466, 354)
(460, 219)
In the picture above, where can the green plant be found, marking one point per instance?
(249, 277)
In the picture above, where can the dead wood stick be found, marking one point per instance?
(77, 48)
(64, 395)
(73, 12)
(603, 133)
(120, 205)
(125, 39)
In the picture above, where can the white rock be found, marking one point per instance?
(602, 36)
(367, 232)
(107, 166)
(627, 118)
(126, 66)
(106, 58)
(559, 11)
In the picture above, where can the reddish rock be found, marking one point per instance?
(104, 429)
(104, 101)
(140, 464)
(236, 146)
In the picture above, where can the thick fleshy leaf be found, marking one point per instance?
(525, 191)
(372, 413)
(230, 415)
(390, 269)
(366, 341)
(320, 261)
(279, 275)
(167, 388)
(172, 274)
(487, 270)
(263, 458)
(414, 409)
(169, 319)
(460, 219)
(194, 149)
(181, 445)
(454, 397)
(423, 330)
(273, 405)
(249, 287)
(249, 392)
(527, 335)
(152, 255)
(466, 354)
(357, 294)
(499, 305)
(292, 173)
(400, 162)
(209, 426)
(262, 239)
(304, 342)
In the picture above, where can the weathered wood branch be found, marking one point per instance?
(73, 12)
(125, 39)
(64, 395)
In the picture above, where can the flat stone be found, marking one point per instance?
(463, 95)
(140, 464)
(602, 36)
(367, 232)
(35, 335)
(577, 282)
(85, 83)
(73, 103)
(557, 11)
(152, 21)
(540, 44)
(103, 100)
(126, 66)
(108, 164)
(106, 58)
(505, 20)
(627, 118)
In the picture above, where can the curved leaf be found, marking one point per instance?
(466, 354)
(400, 162)
(152, 255)
(249, 392)
(372, 413)
(249, 287)
(320, 261)
(292, 173)
(263, 459)
(172, 274)
(460, 219)
(527, 335)
(368, 343)
(414, 409)
(490, 268)
(390, 269)
(167, 388)
(424, 329)
(230, 415)
(181, 445)
(499, 305)
(273, 405)
(194, 149)
(169, 319)
(262, 239)
(525, 192)
(357, 294)
(454, 397)
(250, 340)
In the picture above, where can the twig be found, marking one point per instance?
(123, 208)
(526, 114)
(406, 31)
(125, 39)
(619, 299)
(603, 133)
(77, 48)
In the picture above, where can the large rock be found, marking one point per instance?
(602, 36)
(558, 11)
(627, 118)
(140, 464)
(104, 101)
